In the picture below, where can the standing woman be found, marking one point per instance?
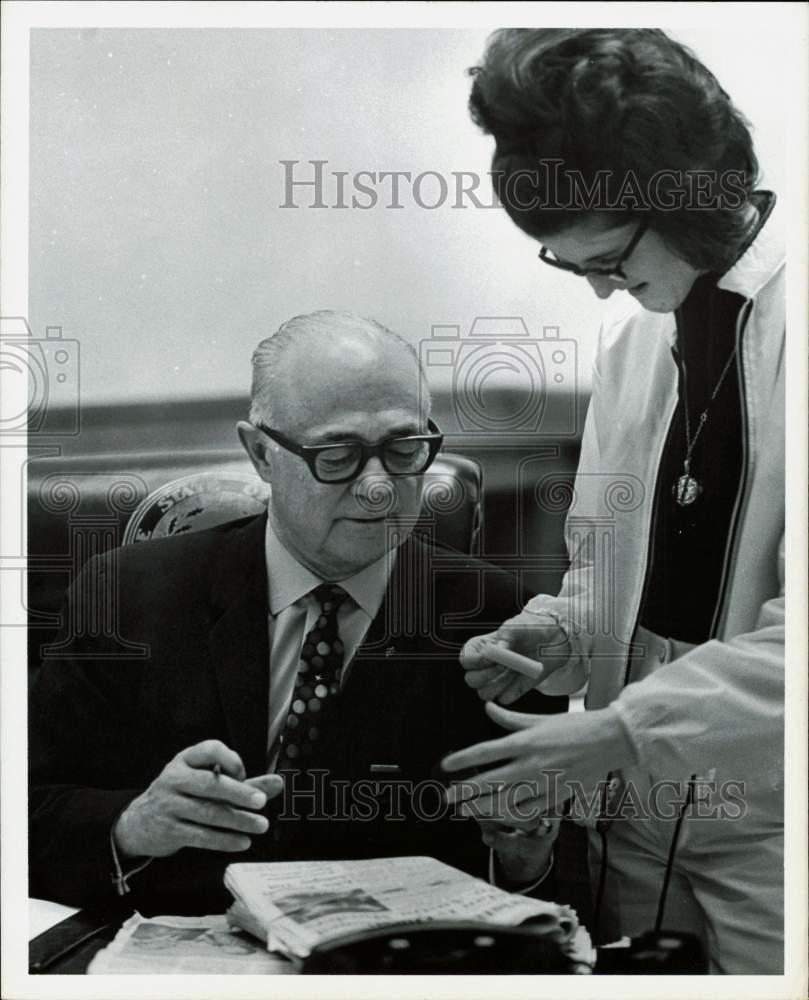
(621, 155)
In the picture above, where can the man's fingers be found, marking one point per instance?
(208, 839)
(508, 719)
(203, 812)
(528, 818)
(519, 830)
(209, 753)
(204, 784)
(270, 784)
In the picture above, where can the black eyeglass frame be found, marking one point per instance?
(310, 452)
(616, 271)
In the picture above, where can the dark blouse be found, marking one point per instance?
(689, 544)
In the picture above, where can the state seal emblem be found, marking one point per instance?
(201, 500)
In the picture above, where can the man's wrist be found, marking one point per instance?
(121, 840)
(521, 886)
(124, 864)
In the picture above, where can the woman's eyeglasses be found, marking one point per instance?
(616, 271)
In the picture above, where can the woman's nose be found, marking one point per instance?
(604, 286)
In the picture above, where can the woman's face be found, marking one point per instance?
(656, 277)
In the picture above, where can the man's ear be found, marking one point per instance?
(255, 445)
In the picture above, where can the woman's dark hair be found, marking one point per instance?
(623, 121)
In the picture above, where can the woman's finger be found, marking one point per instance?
(497, 686)
(477, 679)
(483, 753)
(517, 804)
(512, 782)
(511, 720)
(499, 653)
(473, 653)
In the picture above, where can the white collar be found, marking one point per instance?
(288, 581)
(761, 260)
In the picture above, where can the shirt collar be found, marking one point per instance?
(288, 581)
(762, 258)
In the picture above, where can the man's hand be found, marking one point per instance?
(542, 759)
(537, 638)
(523, 851)
(189, 804)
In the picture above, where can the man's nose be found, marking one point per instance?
(373, 467)
(373, 488)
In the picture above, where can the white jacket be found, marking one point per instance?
(720, 708)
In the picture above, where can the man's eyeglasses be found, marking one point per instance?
(406, 455)
(616, 271)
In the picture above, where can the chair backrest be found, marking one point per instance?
(85, 506)
(451, 508)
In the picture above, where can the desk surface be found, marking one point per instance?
(53, 927)
(44, 914)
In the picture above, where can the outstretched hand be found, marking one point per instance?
(543, 761)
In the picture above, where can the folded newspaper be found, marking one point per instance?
(295, 906)
(185, 946)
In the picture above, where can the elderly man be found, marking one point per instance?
(284, 711)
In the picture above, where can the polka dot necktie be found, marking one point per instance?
(316, 686)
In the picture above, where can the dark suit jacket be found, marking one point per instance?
(104, 722)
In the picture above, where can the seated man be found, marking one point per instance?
(293, 701)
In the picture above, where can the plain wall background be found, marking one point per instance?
(156, 236)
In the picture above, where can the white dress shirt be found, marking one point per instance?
(292, 614)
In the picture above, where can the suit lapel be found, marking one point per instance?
(406, 622)
(239, 643)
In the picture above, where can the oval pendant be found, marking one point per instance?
(686, 490)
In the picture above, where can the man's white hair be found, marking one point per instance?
(268, 356)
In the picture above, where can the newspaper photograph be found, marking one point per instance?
(183, 946)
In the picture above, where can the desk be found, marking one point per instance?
(63, 940)
(44, 914)
(69, 946)
(63, 924)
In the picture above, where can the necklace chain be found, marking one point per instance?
(686, 489)
(691, 442)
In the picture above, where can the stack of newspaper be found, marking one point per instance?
(185, 946)
(296, 906)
